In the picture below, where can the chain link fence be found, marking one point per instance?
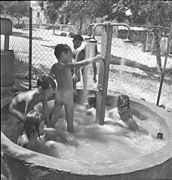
(44, 38)
(137, 74)
(133, 68)
(130, 61)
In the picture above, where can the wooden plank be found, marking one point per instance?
(104, 73)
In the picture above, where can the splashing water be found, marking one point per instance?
(123, 59)
(94, 143)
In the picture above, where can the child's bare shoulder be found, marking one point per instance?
(22, 96)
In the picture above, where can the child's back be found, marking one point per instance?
(63, 77)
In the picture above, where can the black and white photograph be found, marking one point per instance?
(86, 89)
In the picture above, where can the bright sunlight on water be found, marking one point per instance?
(94, 143)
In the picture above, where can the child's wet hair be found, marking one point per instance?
(123, 100)
(45, 81)
(61, 48)
(32, 122)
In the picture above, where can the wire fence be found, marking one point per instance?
(19, 43)
(138, 54)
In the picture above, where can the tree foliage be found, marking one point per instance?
(155, 12)
(78, 10)
(87, 8)
(158, 12)
(51, 9)
(16, 9)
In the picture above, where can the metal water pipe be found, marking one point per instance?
(92, 47)
(114, 24)
(125, 25)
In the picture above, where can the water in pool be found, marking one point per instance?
(96, 143)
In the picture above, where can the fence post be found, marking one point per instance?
(30, 48)
(163, 70)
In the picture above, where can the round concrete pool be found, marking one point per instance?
(25, 164)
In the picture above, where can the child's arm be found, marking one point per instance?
(83, 62)
(132, 124)
(15, 112)
(45, 111)
(52, 71)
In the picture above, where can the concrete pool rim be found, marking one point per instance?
(144, 162)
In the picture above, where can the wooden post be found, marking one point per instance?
(104, 73)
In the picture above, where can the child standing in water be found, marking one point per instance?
(123, 113)
(24, 102)
(63, 76)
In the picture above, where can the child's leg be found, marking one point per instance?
(55, 114)
(56, 111)
(69, 117)
(68, 103)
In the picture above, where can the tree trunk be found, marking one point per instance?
(53, 22)
(80, 25)
(53, 29)
(157, 48)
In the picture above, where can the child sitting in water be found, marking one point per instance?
(123, 114)
(24, 102)
(44, 140)
(36, 137)
(63, 76)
